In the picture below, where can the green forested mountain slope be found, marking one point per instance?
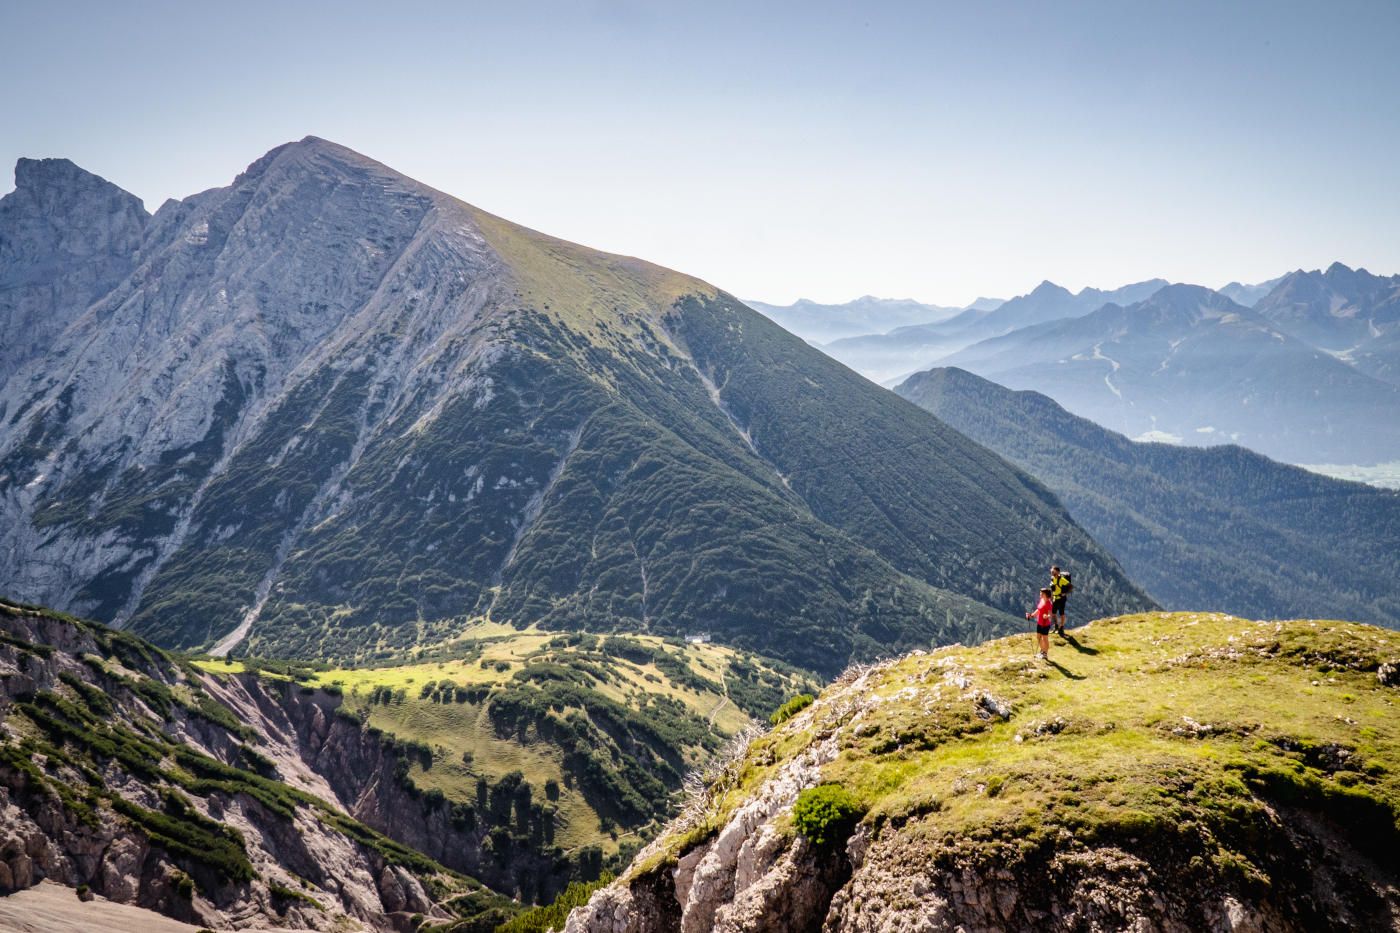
(1214, 527)
(335, 413)
(911, 489)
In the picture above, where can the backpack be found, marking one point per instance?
(1068, 587)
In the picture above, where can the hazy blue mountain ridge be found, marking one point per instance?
(1350, 313)
(1194, 367)
(821, 323)
(1220, 528)
(905, 349)
(1248, 295)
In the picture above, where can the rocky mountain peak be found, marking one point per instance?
(61, 194)
(1191, 299)
(1048, 289)
(459, 399)
(67, 237)
(317, 156)
(47, 180)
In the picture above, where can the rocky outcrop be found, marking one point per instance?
(67, 238)
(84, 801)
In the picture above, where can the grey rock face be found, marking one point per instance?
(43, 837)
(67, 237)
(234, 293)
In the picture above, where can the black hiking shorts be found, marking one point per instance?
(1058, 606)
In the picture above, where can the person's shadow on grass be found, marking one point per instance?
(1074, 643)
(1064, 670)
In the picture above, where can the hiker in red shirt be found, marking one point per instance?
(1042, 621)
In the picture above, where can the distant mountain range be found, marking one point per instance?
(1303, 367)
(1350, 313)
(1189, 365)
(328, 411)
(1219, 528)
(822, 323)
(1248, 295)
(898, 352)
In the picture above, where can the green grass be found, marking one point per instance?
(502, 701)
(552, 916)
(1143, 724)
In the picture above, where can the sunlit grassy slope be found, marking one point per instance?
(1194, 727)
(454, 705)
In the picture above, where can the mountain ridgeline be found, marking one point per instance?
(331, 412)
(1351, 313)
(883, 356)
(1188, 364)
(1296, 367)
(1215, 527)
(823, 323)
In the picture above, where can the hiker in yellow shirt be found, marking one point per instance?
(1060, 587)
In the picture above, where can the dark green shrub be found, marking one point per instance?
(826, 814)
(552, 917)
(791, 708)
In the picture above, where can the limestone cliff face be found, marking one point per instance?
(194, 796)
(67, 238)
(1137, 786)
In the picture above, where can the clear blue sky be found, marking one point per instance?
(928, 150)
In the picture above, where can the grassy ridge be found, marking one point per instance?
(1165, 726)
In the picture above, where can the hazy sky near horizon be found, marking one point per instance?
(938, 151)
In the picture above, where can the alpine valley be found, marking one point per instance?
(1220, 526)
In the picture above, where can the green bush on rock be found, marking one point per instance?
(826, 814)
